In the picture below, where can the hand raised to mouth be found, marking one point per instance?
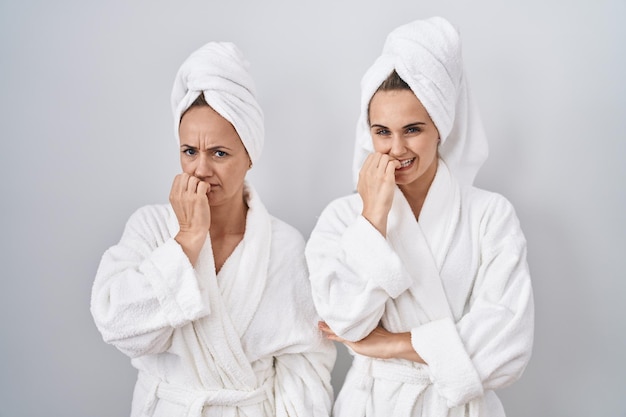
(376, 187)
(189, 199)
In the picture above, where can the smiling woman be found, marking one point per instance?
(402, 129)
(192, 289)
(421, 274)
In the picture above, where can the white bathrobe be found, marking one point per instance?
(457, 280)
(243, 342)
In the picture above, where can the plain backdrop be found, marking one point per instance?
(87, 138)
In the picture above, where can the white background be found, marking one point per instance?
(87, 138)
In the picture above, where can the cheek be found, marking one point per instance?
(433, 149)
(186, 165)
(380, 145)
(429, 147)
(235, 172)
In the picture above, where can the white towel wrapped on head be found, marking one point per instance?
(219, 71)
(426, 54)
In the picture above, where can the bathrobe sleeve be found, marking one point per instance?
(145, 286)
(302, 386)
(304, 358)
(490, 345)
(353, 270)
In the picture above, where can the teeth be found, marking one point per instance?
(406, 162)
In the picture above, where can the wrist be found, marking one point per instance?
(378, 220)
(404, 348)
(191, 236)
(191, 242)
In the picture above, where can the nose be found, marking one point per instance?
(204, 166)
(398, 146)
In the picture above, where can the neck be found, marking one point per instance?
(415, 192)
(229, 218)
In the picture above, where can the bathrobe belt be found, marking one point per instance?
(196, 400)
(414, 381)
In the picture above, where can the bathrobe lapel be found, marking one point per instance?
(423, 245)
(234, 300)
(245, 276)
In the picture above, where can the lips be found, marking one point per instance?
(212, 188)
(405, 163)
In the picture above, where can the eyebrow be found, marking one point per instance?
(213, 148)
(403, 127)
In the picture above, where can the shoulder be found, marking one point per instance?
(285, 235)
(341, 212)
(484, 202)
(494, 215)
(346, 204)
(152, 213)
(156, 218)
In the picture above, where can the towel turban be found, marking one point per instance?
(219, 71)
(426, 54)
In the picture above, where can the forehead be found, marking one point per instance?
(205, 125)
(396, 106)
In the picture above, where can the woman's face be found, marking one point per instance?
(401, 127)
(210, 149)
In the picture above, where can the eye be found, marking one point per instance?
(413, 129)
(220, 154)
(382, 132)
(189, 151)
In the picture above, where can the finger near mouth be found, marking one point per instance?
(405, 163)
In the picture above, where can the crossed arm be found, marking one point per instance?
(380, 344)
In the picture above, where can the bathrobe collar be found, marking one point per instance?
(247, 267)
(423, 245)
(232, 309)
(440, 213)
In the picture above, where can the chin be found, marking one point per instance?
(214, 200)
(406, 179)
(219, 198)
